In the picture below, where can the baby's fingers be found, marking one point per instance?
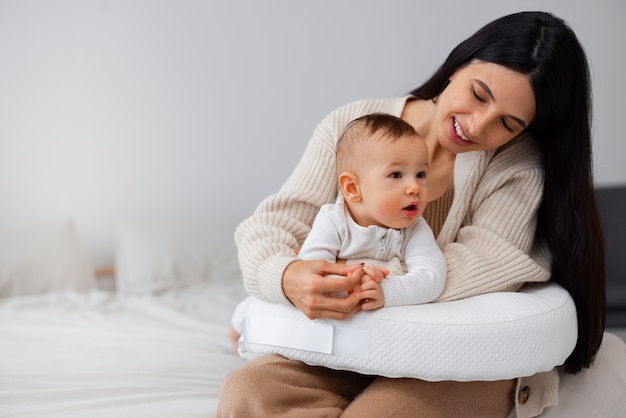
(375, 273)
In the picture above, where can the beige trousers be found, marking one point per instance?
(272, 386)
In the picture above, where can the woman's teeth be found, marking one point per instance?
(459, 132)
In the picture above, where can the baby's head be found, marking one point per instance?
(381, 165)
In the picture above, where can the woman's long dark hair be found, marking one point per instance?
(543, 47)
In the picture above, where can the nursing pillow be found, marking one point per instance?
(487, 337)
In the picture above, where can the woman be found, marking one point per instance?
(506, 120)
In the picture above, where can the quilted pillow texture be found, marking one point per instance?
(487, 337)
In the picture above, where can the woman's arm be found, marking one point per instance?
(495, 247)
(267, 239)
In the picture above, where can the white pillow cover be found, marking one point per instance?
(43, 256)
(468, 339)
(453, 340)
(154, 256)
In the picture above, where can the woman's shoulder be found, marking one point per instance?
(521, 156)
(520, 159)
(518, 162)
(523, 151)
(331, 127)
(354, 109)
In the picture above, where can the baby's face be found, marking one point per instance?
(393, 181)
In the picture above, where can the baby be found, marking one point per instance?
(382, 167)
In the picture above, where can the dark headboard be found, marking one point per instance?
(612, 201)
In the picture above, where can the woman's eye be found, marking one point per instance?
(477, 97)
(506, 126)
(396, 175)
(421, 175)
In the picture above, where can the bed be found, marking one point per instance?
(157, 345)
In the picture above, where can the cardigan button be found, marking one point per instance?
(523, 395)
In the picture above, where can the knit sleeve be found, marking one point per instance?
(426, 270)
(266, 240)
(496, 248)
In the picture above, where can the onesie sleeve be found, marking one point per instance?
(324, 239)
(425, 270)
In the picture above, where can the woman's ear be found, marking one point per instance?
(349, 184)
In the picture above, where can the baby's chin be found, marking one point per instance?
(404, 223)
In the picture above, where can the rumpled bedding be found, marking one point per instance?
(96, 354)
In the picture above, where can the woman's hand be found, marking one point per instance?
(305, 284)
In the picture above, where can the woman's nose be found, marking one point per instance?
(477, 123)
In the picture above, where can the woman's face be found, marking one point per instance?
(485, 106)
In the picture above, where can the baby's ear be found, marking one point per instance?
(349, 184)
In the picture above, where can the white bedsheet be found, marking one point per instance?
(93, 355)
(69, 354)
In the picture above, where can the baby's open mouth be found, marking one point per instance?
(410, 211)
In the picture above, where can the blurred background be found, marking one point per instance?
(117, 110)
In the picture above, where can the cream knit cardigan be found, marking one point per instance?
(488, 236)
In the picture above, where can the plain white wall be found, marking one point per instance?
(116, 110)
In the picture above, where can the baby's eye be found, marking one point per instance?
(421, 175)
(396, 175)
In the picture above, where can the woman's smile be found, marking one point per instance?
(456, 131)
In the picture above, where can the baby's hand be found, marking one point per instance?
(374, 273)
(371, 295)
